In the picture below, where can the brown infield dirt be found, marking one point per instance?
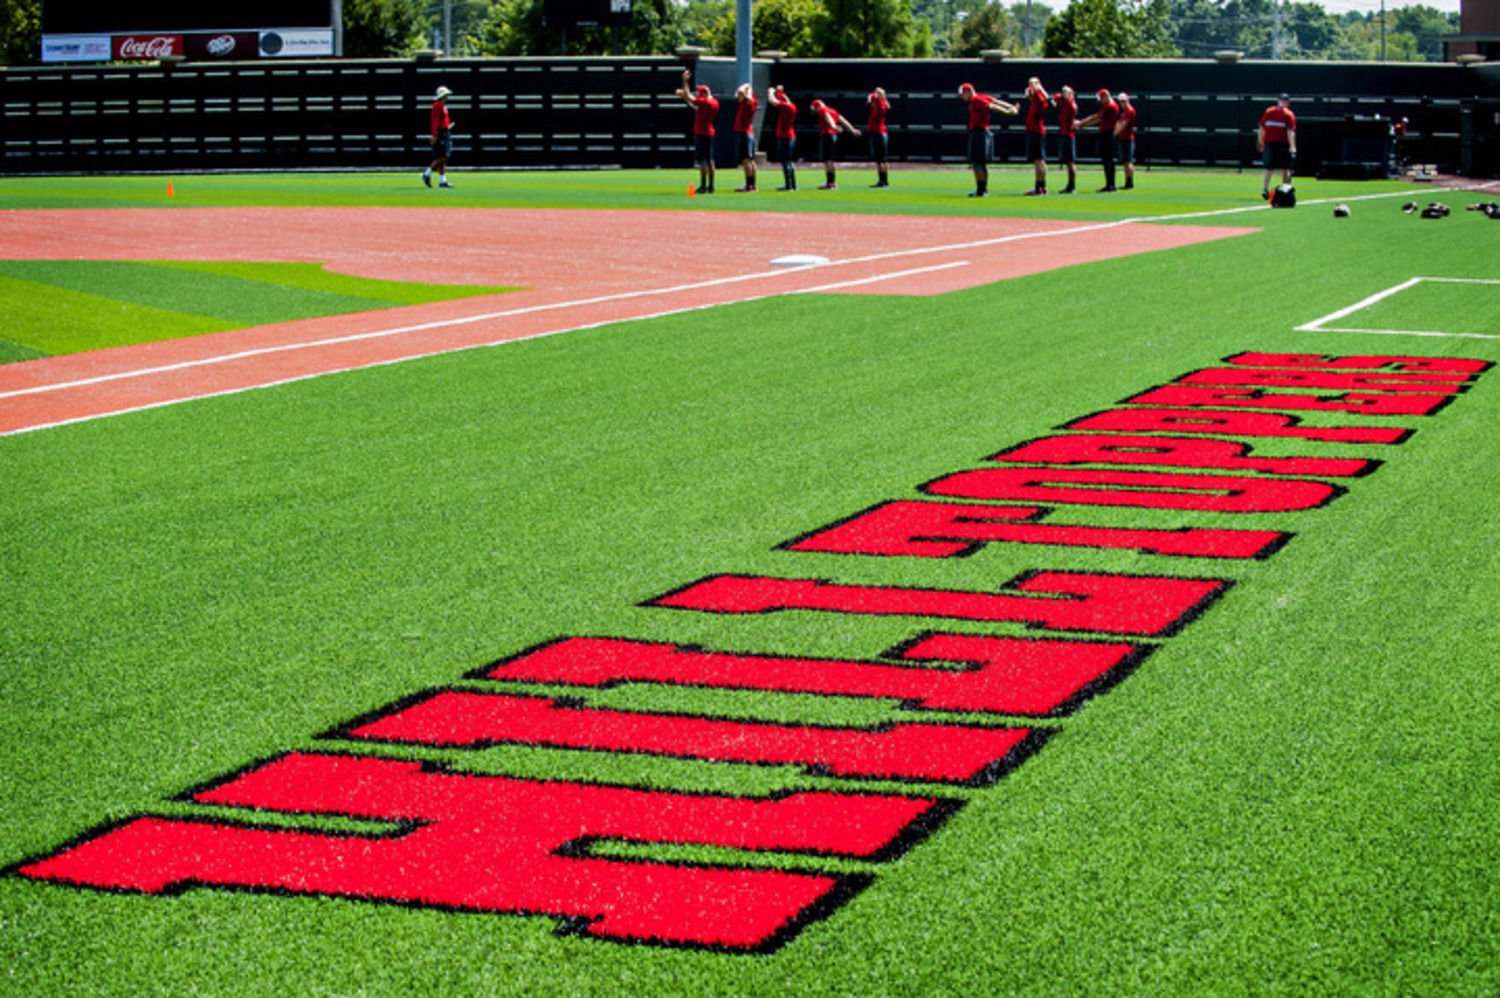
(576, 269)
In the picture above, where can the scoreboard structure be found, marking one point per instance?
(87, 31)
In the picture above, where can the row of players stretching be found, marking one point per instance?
(1115, 120)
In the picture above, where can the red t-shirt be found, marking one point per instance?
(878, 108)
(703, 116)
(979, 111)
(1109, 113)
(1036, 106)
(1067, 114)
(828, 120)
(1277, 122)
(1127, 123)
(440, 119)
(786, 119)
(744, 115)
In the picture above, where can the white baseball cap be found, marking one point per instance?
(444, 92)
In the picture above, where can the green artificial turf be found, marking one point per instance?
(64, 306)
(1293, 795)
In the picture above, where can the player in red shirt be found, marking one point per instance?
(744, 135)
(786, 137)
(442, 139)
(705, 105)
(880, 141)
(1037, 102)
(830, 123)
(981, 142)
(1106, 118)
(1276, 141)
(1067, 136)
(1125, 138)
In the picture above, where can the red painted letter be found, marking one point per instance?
(1227, 422)
(1145, 489)
(497, 844)
(1188, 452)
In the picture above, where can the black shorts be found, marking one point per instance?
(1127, 150)
(1277, 156)
(828, 148)
(1036, 147)
(981, 147)
(880, 144)
(786, 150)
(744, 146)
(442, 146)
(1067, 149)
(703, 150)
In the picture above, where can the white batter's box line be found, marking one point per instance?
(1321, 325)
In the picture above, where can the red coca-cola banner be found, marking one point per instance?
(141, 47)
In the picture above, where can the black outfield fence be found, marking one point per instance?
(347, 114)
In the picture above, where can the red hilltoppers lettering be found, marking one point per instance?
(1112, 604)
(1022, 676)
(502, 844)
(1145, 489)
(1226, 422)
(1175, 452)
(496, 844)
(1365, 403)
(943, 753)
(1313, 360)
(956, 530)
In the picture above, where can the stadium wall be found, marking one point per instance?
(617, 111)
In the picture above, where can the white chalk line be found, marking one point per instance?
(1318, 325)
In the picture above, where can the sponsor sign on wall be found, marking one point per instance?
(75, 48)
(138, 48)
(299, 44)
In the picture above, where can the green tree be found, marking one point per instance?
(1111, 29)
(20, 32)
(1426, 25)
(377, 29)
(989, 27)
(518, 27)
(869, 29)
(785, 25)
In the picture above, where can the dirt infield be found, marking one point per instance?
(576, 268)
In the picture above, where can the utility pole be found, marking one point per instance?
(1382, 30)
(742, 42)
(448, 27)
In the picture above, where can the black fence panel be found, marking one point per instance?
(532, 112)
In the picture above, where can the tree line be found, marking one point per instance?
(1085, 29)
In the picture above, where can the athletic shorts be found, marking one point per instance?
(786, 150)
(1127, 150)
(744, 146)
(880, 144)
(1277, 156)
(703, 150)
(1036, 147)
(442, 146)
(1106, 148)
(1067, 149)
(981, 147)
(828, 147)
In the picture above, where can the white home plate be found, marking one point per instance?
(799, 260)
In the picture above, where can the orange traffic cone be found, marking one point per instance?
(170, 192)
(692, 191)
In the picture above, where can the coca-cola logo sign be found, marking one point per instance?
(137, 47)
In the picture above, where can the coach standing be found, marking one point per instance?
(705, 105)
(1276, 141)
(981, 142)
(830, 123)
(442, 139)
(1106, 118)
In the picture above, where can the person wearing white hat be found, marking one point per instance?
(442, 139)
